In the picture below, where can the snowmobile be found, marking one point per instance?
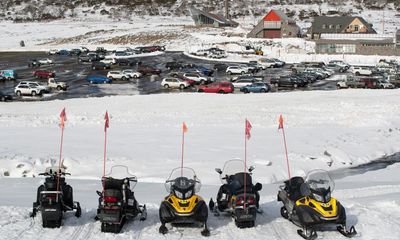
(237, 195)
(183, 206)
(52, 203)
(117, 201)
(308, 204)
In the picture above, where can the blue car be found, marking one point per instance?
(257, 87)
(98, 79)
(204, 70)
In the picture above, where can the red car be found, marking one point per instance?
(190, 81)
(43, 74)
(217, 87)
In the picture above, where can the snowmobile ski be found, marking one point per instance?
(350, 233)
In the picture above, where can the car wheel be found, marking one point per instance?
(295, 85)
(357, 74)
(221, 91)
(202, 82)
(3, 99)
(58, 88)
(229, 72)
(276, 85)
(338, 86)
(33, 93)
(201, 91)
(104, 82)
(246, 90)
(91, 81)
(123, 78)
(166, 86)
(242, 72)
(18, 93)
(94, 68)
(263, 90)
(181, 87)
(135, 76)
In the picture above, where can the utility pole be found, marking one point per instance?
(226, 9)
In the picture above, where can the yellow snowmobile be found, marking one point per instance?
(182, 205)
(309, 205)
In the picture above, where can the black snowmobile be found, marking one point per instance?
(309, 205)
(183, 206)
(117, 202)
(237, 196)
(52, 203)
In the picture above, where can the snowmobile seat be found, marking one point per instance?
(293, 187)
(237, 183)
(112, 183)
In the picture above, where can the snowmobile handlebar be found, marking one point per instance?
(54, 174)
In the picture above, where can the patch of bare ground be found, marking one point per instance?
(79, 38)
(145, 38)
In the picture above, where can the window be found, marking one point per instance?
(356, 28)
(330, 26)
(338, 26)
(323, 26)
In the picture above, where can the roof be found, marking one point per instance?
(216, 17)
(281, 15)
(342, 21)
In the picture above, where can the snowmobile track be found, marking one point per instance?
(20, 234)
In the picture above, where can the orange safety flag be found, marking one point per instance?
(247, 130)
(106, 122)
(184, 127)
(280, 122)
(63, 118)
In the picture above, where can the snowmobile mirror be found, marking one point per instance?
(258, 187)
(251, 168)
(218, 170)
(305, 189)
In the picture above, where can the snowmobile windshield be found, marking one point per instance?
(321, 185)
(122, 172)
(231, 168)
(183, 182)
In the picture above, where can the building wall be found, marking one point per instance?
(386, 49)
(356, 23)
(273, 33)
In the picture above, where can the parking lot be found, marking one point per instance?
(68, 69)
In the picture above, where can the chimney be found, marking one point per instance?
(226, 9)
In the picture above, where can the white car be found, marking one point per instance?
(45, 61)
(358, 70)
(220, 54)
(385, 84)
(117, 75)
(236, 70)
(243, 82)
(30, 88)
(198, 78)
(201, 52)
(53, 52)
(110, 61)
(174, 83)
(131, 73)
(266, 63)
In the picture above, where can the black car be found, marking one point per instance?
(34, 63)
(100, 65)
(220, 67)
(287, 81)
(101, 50)
(75, 51)
(5, 97)
(126, 62)
(174, 65)
(90, 57)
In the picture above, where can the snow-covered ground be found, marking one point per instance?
(328, 130)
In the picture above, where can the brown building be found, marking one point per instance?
(275, 25)
(343, 24)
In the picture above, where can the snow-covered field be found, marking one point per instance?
(328, 130)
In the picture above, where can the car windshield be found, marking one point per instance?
(183, 178)
(232, 167)
(320, 180)
(121, 172)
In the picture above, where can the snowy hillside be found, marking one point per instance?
(328, 130)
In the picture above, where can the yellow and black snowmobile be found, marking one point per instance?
(309, 205)
(182, 205)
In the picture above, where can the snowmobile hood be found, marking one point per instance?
(327, 210)
(183, 206)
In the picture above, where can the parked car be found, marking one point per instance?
(220, 67)
(236, 70)
(132, 73)
(217, 87)
(360, 70)
(52, 83)
(350, 82)
(53, 52)
(34, 63)
(148, 70)
(320, 75)
(8, 74)
(335, 67)
(5, 97)
(278, 63)
(377, 83)
(46, 61)
(177, 65)
(126, 62)
(101, 50)
(218, 55)
(100, 65)
(117, 75)
(43, 74)
(98, 79)
(243, 82)
(256, 65)
(267, 63)
(200, 79)
(256, 87)
(75, 51)
(30, 88)
(63, 52)
(340, 63)
(202, 70)
(287, 81)
(174, 83)
(110, 61)
(90, 57)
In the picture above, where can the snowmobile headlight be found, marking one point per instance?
(317, 197)
(179, 194)
(189, 194)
